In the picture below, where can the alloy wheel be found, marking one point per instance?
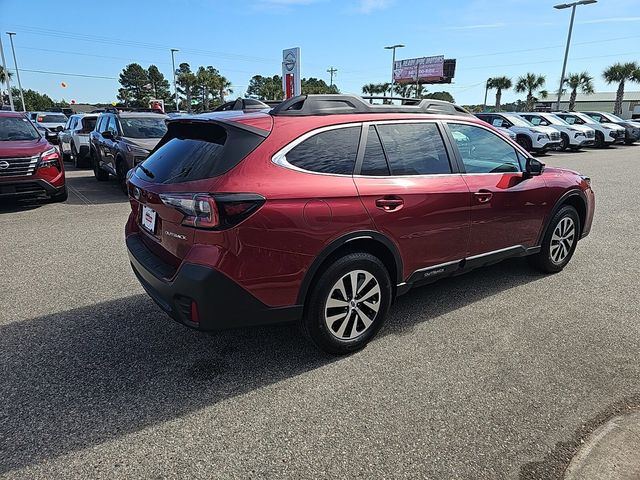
(352, 305)
(562, 240)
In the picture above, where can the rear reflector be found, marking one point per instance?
(195, 316)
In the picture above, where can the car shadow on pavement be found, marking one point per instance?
(78, 378)
(84, 189)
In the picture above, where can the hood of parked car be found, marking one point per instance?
(543, 129)
(629, 124)
(612, 126)
(581, 128)
(146, 143)
(24, 148)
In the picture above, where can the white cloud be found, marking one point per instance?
(478, 26)
(369, 6)
(612, 20)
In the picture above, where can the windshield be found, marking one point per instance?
(611, 117)
(17, 128)
(52, 118)
(144, 127)
(585, 118)
(518, 121)
(554, 119)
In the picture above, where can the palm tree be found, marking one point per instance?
(532, 84)
(499, 83)
(619, 73)
(224, 87)
(370, 89)
(578, 81)
(4, 75)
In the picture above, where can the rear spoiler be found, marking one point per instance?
(223, 123)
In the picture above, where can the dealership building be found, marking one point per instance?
(600, 102)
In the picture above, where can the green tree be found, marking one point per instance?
(317, 86)
(135, 82)
(499, 84)
(265, 88)
(207, 85)
(578, 81)
(370, 89)
(35, 101)
(159, 84)
(224, 87)
(4, 75)
(187, 83)
(531, 84)
(446, 96)
(620, 73)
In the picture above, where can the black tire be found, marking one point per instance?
(100, 174)
(59, 197)
(525, 142)
(314, 325)
(629, 142)
(564, 142)
(121, 168)
(544, 260)
(599, 142)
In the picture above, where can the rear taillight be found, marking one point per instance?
(213, 211)
(50, 158)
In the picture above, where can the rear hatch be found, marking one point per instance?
(170, 191)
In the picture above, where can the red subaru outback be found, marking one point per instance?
(29, 165)
(325, 208)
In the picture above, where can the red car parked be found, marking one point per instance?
(325, 208)
(29, 165)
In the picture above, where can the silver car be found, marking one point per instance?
(74, 138)
(50, 121)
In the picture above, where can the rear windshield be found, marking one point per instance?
(17, 128)
(144, 127)
(52, 118)
(89, 123)
(195, 151)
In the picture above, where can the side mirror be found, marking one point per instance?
(107, 134)
(533, 168)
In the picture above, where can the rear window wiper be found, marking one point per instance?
(146, 171)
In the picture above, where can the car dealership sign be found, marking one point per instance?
(291, 81)
(425, 68)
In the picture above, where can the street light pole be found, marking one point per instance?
(6, 76)
(393, 62)
(15, 62)
(173, 64)
(573, 6)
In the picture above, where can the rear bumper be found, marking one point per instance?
(32, 188)
(221, 302)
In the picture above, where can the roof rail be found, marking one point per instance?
(242, 104)
(344, 104)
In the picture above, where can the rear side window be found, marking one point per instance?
(374, 162)
(194, 151)
(332, 151)
(414, 148)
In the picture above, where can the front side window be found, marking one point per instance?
(483, 151)
(332, 151)
(102, 124)
(112, 125)
(414, 149)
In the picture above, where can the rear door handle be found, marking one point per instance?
(389, 203)
(483, 196)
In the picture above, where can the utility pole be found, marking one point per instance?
(572, 6)
(393, 62)
(332, 71)
(173, 64)
(15, 62)
(6, 76)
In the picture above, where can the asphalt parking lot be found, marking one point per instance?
(496, 374)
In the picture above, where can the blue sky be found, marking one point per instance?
(242, 38)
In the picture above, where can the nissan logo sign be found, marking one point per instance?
(4, 165)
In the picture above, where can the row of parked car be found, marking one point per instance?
(541, 131)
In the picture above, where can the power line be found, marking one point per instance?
(66, 74)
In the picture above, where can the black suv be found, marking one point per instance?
(121, 140)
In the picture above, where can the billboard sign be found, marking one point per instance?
(424, 69)
(291, 81)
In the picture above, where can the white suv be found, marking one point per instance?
(571, 136)
(530, 137)
(74, 139)
(606, 133)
